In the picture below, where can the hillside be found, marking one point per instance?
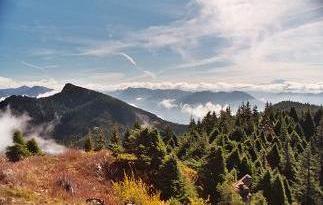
(178, 105)
(42, 184)
(75, 110)
(300, 107)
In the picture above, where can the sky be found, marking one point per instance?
(272, 45)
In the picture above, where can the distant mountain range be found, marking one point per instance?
(75, 110)
(312, 98)
(34, 91)
(179, 106)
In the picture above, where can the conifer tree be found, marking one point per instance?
(293, 114)
(151, 150)
(278, 192)
(99, 139)
(265, 184)
(273, 157)
(88, 145)
(33, 147)
(212, 174)
(318, 116)
(233, 159)
(170, 181)
(115, 138)
(245, 167)
(308, 126)
(309, 190)
(16, 152)
(18, 138)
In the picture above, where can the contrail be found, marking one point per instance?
(133, 62)
(129, 58)
(41, 68)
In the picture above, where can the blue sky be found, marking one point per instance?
(189, 44)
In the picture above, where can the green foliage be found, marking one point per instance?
(17, 152)
(18, 138)
(171, 182)
(88, 145)
(212, 173)
(271, 147)
(308, 125)
(20, 150)
(115, 138)
(273, 157)
(33, 147)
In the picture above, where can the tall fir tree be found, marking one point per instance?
(212, 174)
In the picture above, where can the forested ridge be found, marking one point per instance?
(280, 150)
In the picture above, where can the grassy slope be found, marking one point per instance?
(35, 180)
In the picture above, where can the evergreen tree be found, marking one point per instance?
(16, 152)
(18, 138)
(212, 174)
(151, 150)
(265, 184)
(278, 192)
(233, 160)
(318, 116)
(245, 167)
(308, 187)
(308, 126)
(115, 138)
(290, 165)
(33, 147)
(170, 138)
(274, 157)
(293, 114)
(170, 181)
(99, 139)
(88, 145)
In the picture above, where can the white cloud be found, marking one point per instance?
(168, 103)
(264, 39)
(9, 123)
(200, 111)
(283, 86)
(47, 94)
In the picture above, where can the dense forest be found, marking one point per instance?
(271, 157)
(279, 152)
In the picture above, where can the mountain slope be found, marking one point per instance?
(75, 110)
(24, 90)
(300, 107)
(172, 104)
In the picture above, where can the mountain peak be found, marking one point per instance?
(69, 87)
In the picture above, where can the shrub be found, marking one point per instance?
(18, 138)
(33, 147)
(135, 191)
(88, 145)
(16, 152)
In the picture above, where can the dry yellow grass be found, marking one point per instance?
(37, 179)
(135, 191)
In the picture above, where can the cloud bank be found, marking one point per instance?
(200, 111)
(168, 103)
(9, 123)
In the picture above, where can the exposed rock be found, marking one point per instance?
(94, 201)
(242, 186)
